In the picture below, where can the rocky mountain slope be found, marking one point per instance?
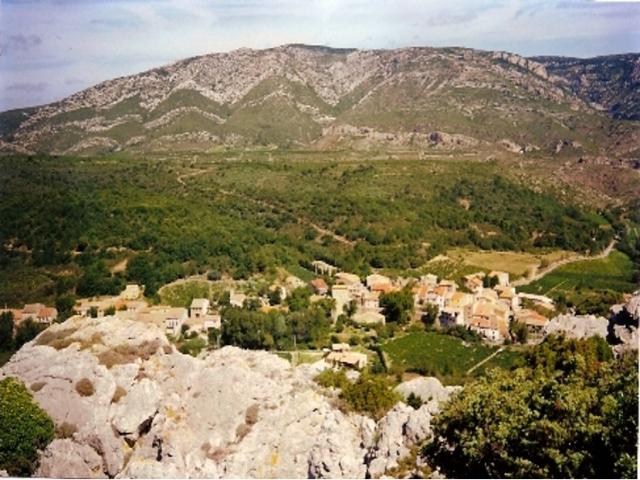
(297, 95)
(126, 404)
(610, 82)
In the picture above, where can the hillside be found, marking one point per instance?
(317, 97)
(611, 82)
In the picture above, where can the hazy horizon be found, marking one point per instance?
(53, 48)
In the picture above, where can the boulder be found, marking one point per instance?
(138, 407)
(577, 326)
(397, 432)
(427, 388)
(64, 458)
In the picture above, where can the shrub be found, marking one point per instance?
(332, 378)
(24, 429)
(37, 386)
(66, 430)
(370, 395)
(84, 387)
(414, 401)
(118, 394)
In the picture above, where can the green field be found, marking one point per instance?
(181, 294)
(443, 356)
(611, 273)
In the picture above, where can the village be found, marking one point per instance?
(485, 304)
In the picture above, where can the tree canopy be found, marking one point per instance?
(570, 412)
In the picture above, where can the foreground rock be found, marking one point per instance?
(126, 404)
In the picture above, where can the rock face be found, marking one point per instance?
(427, 388)
(623, 328)
(127, 405)
(578, 326)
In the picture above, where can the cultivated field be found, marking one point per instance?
(443, 356)
(611, 273)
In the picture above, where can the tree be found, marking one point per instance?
(397, 306)
(24, 429)
(27, 331)
(65, 304)
(371, 395)
(350, 308)
(6, 331)
(520, 331)
(299, 299)
(570, 412)
(274, 296)
(430, 315)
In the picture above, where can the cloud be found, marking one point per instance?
(447, 19)
(27, 87)
(19, 42)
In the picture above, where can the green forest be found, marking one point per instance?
(67, 221)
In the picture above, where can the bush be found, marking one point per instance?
(330, 378)
(84, 387)
(193, 346)
(370, 395)
(414, 401)
(24, 429)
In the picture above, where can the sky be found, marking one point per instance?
(50, 49)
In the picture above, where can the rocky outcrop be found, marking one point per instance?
(522, 62)
(623, 327)
(427, 388)
(577, 326)
(127, 405)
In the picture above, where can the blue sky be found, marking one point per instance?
(52, 48)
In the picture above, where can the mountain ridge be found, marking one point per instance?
(321, 97)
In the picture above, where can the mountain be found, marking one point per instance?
(319, 97)
(611, 82)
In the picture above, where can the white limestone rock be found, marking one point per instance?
(129, 415)
(154, 412)
(64, 458)
(577, 326)
(427, 388)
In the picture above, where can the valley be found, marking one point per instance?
(315, 262)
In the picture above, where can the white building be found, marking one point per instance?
(199, 308)
(131, 292)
